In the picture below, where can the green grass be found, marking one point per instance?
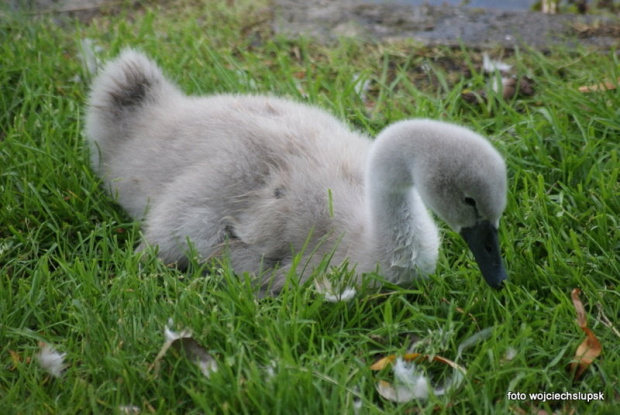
(69, 277)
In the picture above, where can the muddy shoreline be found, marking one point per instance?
(327, 20)
(442, 25)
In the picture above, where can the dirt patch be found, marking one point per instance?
(445, 25)
(63, 11)
(442, 25)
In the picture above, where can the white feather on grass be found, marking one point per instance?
(88, 52)
(129, 409)
(361, 85)
(183, 341)
(409, 383)
(489, 65)
(324, 286)
(51, 360)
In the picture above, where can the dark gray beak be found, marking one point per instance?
(483, 242)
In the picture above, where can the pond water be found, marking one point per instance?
(484, 4)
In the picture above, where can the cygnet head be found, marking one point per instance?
(462, 178)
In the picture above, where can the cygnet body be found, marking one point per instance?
(274, 184)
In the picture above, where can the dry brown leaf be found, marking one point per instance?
(604, 86)
(579, 308)
(387, 360)
(16, 359)
(590, 348)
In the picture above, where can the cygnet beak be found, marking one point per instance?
(483, 242)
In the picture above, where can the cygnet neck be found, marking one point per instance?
(400, 225)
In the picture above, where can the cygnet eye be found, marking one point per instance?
(469, 201)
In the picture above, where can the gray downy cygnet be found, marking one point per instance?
(276, 184)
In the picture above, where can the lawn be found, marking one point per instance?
(69, 276)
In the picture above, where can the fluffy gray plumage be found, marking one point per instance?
(263, 178)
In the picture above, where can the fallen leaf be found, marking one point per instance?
(590, 348)
(16, 360)
(604, 86)
(15, 357)
(579, 308)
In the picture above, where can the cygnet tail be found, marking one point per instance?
(124, 89)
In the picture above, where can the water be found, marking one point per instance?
(483, 4)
